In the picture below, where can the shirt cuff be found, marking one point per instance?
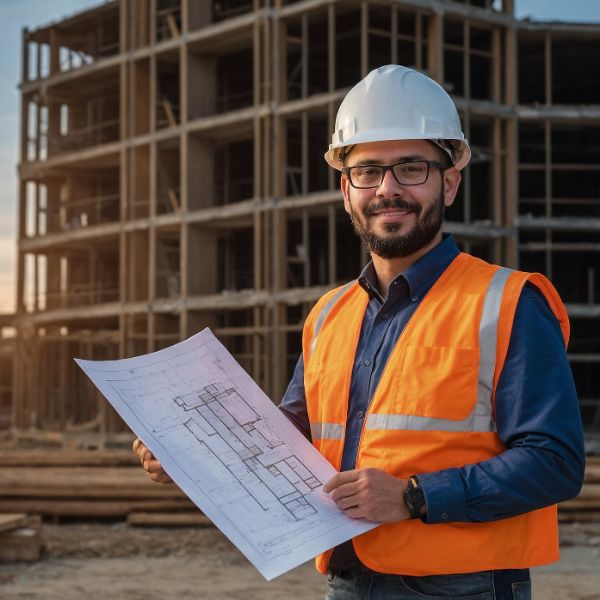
(444, 496)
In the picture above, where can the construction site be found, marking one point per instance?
(172, 178)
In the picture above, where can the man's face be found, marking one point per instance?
(394, 220)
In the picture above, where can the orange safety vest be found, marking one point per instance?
(433, 409)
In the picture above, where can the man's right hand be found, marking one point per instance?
(150, 464)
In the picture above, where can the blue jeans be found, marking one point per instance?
(364, 584)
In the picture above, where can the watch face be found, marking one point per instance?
(414, 500)
(416, 496)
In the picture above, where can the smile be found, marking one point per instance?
(392, 213)
(391, 209)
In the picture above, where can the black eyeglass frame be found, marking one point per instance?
(386, 168)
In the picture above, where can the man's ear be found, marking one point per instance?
(452, 179)
(345, 187)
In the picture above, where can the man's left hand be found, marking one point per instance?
(369, 494)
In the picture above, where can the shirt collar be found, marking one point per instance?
(420, 276)
(368, 281)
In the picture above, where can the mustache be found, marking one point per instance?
(393, 203)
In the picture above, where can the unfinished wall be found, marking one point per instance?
(7, 357)
(172, 176)
(559, 182)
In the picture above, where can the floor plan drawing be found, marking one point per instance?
(229, 449)
(222, 420)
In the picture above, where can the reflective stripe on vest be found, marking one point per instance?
(481, 417)
(326, 310)
(326, 431)
(488, 341)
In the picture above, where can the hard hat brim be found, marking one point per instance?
(334, 155)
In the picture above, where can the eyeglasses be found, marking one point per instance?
(414, 172)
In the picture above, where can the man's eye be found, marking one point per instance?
(367, 172)
(411, 169)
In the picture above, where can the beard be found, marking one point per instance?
(428, 224)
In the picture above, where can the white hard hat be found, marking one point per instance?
(398, 103)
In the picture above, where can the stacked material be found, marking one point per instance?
(83, 484)
(111, 484)
(20, 537)
(586, 507)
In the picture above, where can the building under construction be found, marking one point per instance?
(172, 178)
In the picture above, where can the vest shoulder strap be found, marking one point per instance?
(319, 313)
(514, 287)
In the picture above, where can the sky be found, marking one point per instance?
(16, 14)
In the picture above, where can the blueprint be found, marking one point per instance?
(230, 450)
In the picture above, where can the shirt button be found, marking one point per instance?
(367, 363)
(415, 298)
(444, 515)
(386, 316)
(360, 414)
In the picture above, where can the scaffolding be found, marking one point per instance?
(172, 177)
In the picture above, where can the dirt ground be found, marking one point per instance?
(119, 562)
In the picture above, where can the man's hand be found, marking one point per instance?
(369, 494)
(150, 464)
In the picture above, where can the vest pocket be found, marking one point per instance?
(437, 382)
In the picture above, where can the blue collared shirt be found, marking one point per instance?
(537, 411)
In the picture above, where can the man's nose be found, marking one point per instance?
(389, 186)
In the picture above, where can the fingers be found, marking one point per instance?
(356, 513)
(340, 479)
(368, 494)
(346, 490)
(156, 471)
(347, 503)
(150, 464)
(160, 477)
(141, 450)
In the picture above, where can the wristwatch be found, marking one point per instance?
(414, 498)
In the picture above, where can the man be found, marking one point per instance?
(437, 384)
